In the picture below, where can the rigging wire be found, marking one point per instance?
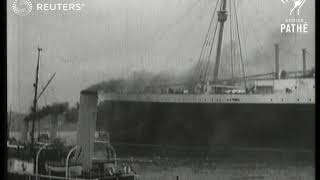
(236, 48)
(295, 42)
(207, 42)
(260, 47)
(192, 26)
(241, 55)
(231, 41)
(234, 45)
(204, 61)
(208, 67)
(19, 85)
(245, 63)
(211, 71)
(161, 34)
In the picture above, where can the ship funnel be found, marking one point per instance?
(87, 127)
(304, 64)
(277, 73)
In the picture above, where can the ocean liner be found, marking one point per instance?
(274, 110)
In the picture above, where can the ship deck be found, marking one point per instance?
(213, 98)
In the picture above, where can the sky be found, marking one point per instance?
(113, 38)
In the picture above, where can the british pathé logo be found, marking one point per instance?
(22, 7)
(296, 5)
(294, 24)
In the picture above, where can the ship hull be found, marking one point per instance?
(208, 124)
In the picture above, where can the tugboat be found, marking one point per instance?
(43, 158)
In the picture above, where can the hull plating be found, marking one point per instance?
(262, 125)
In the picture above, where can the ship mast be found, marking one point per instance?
(35, 99)
(34, 108)
(222, 17)
(207, 69)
